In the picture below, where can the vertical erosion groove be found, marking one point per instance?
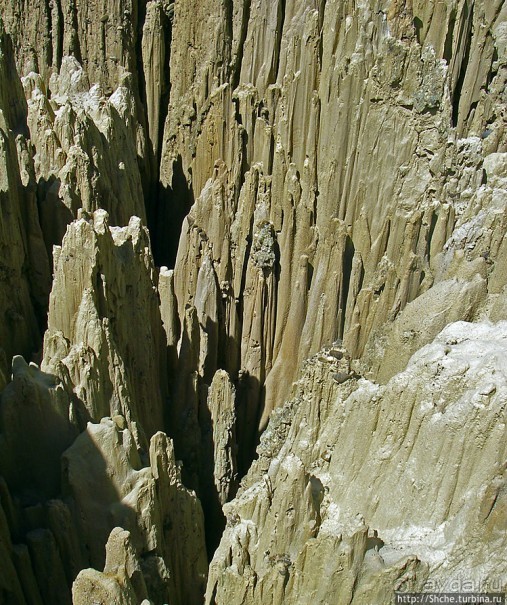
(243, 30)
(254, 416)
(278, 41)
(449, 38)
(463, 56)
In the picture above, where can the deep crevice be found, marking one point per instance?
(493, 70)
(348, 257)
(245, 19)
(160, 202)
(49, 25)
(431, 230)
(75, 45)
(278, 42)
(449, 37)
(456, 93)
(171, 207)
(61, 33)
(418, 26)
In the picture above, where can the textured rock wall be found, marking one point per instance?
(81, 442)
(105, 338)
(85, 149)
(101, 35)
(117, 44)
(347, 161)
(315, 174)
(163, 517)
(332, 149)
(24, 262)
(361, 489)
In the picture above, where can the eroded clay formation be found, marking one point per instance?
(230, 227)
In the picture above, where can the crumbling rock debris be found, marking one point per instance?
(263, 246)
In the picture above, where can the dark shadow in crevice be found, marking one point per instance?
(75, 45)
(172, 206)
(61, 32)
(235, 78)
(249, 409)
(431, 231)
(36, 430)
(54, 215)
(468, 17)
(449, 37)
(374, 542)
(348, 257)
(418, 26)
(273, 75)
(14, 105)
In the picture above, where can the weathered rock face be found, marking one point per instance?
(346, 160)
(376, 488)
(101, 35)
(105, 338)
(100, 359)
(115, 43)
(327, 182)
(163, 517)
(24, 262)
(85, 145)
(122, 580)
(332, 150)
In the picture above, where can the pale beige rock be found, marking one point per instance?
(85, 149)
(221, 403)
(163, 517)
(105, 338)
(420, 321)
(168, 303)
(105, 39)
(154, 64)
(122, 581)
(348, 171)
(353, 158)
(181, 524)
(102, 35)
(307, 503)
(170, 320)
(107, 457)
(92, 586)
(184, 411)
(207, 310)
(218, 478)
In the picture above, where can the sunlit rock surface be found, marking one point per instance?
(229, 221)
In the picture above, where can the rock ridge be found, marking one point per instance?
(253, 300)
